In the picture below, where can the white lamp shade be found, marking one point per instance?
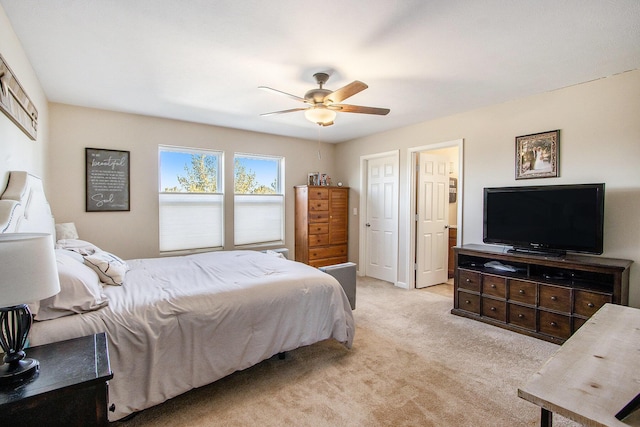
(320, 115)
(28, 269)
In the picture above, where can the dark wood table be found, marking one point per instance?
(70, 389)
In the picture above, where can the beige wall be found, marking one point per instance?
(17, 150)
(599, 142)
(598, 120)
(134, 234)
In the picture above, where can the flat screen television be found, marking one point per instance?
(549, 219)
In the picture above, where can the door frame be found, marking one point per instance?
(362, 241)
(411, 196)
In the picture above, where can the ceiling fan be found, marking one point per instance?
(324, 103)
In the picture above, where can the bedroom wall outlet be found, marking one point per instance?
(355, 211)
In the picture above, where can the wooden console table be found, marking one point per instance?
(595, 374)
(545, 297)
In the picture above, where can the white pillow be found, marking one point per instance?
(66, 230)
(80, 246)
(72, 254)
(80, 290)
(109, 267)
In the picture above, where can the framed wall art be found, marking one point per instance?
(537, 155)
(107, 180)
(15, 103)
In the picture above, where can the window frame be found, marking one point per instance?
(280, 193)
(218, 196)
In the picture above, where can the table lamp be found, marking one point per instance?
(28, 274)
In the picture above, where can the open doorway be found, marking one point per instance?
(435, 215)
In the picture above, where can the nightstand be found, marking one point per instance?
(70, 389)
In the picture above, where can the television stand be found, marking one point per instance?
(539, 252)
(541, 296)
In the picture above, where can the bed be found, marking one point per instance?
(176, 323)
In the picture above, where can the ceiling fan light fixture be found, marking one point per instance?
(320, 115)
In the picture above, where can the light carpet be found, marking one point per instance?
(413, 363)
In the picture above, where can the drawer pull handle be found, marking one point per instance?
(554, 324)
(493, 309)
(112, 408)
(521, 291)
(467, 301)
(493, 286)
(590, 305)
(554, 298)
(521, 316)
(467, 280)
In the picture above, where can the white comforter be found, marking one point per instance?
(183, 322)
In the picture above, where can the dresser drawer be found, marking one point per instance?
(555, 298)
(494, 286)
(587, 303)
(469, 280)
(494, 309)
(330, 252)
(554, 324)
(327, 261)
(318, 240)
(318, 228)
(522, 291)
(318, 193)
(318, 216)
(469, 302)
(318, 205)
(525, 317)
(577, 322)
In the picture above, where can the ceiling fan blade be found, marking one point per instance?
(284, 111)
(297, 98)
(345, 92)
(346, 108)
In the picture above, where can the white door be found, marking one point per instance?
(381, 224)
(432, 232)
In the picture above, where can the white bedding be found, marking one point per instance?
(183, 322)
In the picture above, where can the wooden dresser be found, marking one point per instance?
(321, 227)
(548, 298)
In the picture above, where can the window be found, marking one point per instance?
(258, 199)
(190, 199)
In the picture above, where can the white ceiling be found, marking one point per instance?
(203, 60)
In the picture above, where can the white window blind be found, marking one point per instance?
(191, 199)
(259, 200)
(190, 221)
(258, 218)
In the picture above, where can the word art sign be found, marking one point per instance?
(107, 176)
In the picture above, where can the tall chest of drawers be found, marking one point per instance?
(321, 224)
